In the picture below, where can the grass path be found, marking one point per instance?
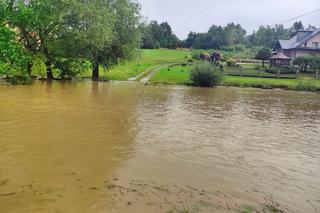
(149, 74)
(136, 69)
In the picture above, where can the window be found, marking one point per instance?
(315, 44)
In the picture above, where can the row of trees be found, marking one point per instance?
(158, 35)
(303, 62)
(217, 37)
(67, 34)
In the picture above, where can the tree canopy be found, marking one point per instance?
(158, 35)
(263, 55)
(69, 33)
(216, 37)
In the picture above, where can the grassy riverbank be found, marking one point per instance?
(148, 59)
(307, 84)
(180, 75)
(173, 75)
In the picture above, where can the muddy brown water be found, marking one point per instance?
(124, 147)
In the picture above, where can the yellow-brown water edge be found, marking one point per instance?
(125, 147)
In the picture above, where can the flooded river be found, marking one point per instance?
(124, 147)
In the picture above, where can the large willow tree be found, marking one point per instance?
(69, 32)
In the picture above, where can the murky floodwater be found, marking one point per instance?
(125, 147)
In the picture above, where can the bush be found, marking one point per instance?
(283, 69)
(195, 55)
(205, 75)
(231, 63)
(20, 80)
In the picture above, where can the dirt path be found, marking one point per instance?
(145, 76)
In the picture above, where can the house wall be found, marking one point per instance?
(296, 53)
(306, 53)
(314, 39)
(290, 53)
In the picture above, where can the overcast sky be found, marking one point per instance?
(198, 15)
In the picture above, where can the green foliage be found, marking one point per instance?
(157, 36)
(70, 68)
(39, 68)
(268, 36)
(13, 58)
(264, 54)
(205, 75)
(307, 61)
(283, 69)
(20, 80)
(216, 37)
(231, 63)
(67, 32)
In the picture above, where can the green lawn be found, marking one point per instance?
(172, 75)
(180, 75)
(148, 59)
(268, 83)
(250, 69)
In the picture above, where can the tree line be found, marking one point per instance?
(218, 37)
(67, 34)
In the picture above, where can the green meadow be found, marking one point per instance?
(146, 60)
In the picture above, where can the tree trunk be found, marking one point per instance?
(48, 64)
(49, 70)
(29, 68)
(95, 71)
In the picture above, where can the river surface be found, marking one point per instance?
(124, 147)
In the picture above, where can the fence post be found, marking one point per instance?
(240, 71)
(297, 74)
(259, 72)
(317, 74)
(221, 70)
(278, 73)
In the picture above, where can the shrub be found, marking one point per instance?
(205, 75)
(195, 55)
(283, 69)
(20, 80)
(231, 63)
